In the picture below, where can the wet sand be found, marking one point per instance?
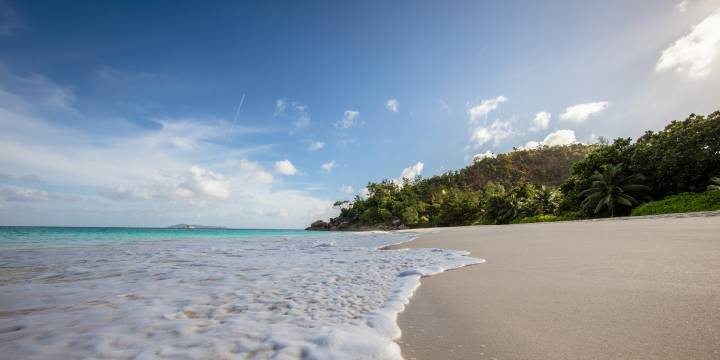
(615, 289)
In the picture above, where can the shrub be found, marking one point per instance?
(548, 218)
(685, 202)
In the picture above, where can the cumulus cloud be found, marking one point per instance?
(480, 111)
(541, 121)
(560, 137)
(285, 167)
(348, 120)
(410, 172)
(347, 189)
(316, 145)
(581, 112)
(695, 53)
(393, 105)
(328, 166)
(496, 132)
(480, 156)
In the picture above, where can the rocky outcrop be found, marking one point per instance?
(344, 224)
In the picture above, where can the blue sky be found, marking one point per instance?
(126, 113)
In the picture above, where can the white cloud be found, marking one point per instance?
(480, 156)
(205, 182)
(347, 189)
(181, 170)
(560, 137)
(682, 6)
(531, 145)
(581, 112)
(410, 172)
(348, 120)
(328, 166)
(195, 186)
(285, 167)
(541, 121)
(496, 132)
(316, 145)
(695, 53)
(393, 105)
(481, 110)
(283, 108)
(22, 194)
(254, 172)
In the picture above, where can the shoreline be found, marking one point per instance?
(614, 288)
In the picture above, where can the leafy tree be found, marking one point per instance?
(680, 158)
(610, 189)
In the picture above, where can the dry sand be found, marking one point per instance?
(618, 289)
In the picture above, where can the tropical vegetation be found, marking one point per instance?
(661, 171)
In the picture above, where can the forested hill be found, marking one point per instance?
(680, 163)
(455, 197)
(548, 166)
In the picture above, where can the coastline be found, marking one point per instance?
(638, 287)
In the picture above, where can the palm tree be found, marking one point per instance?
(546, 201)
(610, 189)
(714, 184)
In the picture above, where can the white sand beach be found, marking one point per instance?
(615, 289)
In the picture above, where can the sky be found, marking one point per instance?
(262, 114)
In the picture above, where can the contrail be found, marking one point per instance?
(237, 114)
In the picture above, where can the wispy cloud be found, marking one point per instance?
(9, 20)
(349, 119)
(316, 145)
(109, 73)
(298, 111)
(696, 53)
(328, 166)
(22, 194)
(347, 189)
(581, 112)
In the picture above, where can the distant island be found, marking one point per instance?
(191, 226)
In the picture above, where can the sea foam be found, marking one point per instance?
(312, 297)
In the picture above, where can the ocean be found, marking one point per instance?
(207, 293)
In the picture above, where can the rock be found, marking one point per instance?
(319, 225)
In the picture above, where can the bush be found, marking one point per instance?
(548, 218)
(681, 203)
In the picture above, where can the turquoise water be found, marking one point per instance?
(32, 237)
